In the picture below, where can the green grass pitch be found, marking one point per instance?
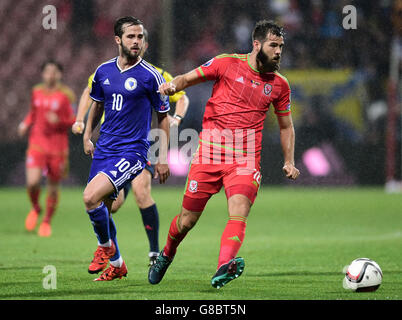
(297, 242)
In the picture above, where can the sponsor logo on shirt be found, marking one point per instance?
(240, 79)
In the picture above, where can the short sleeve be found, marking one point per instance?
(97, 93)
(210, 69)
(90, 79)
(282, 104)
(159, 102)
(176, 97)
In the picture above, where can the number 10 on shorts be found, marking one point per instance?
(122, 165)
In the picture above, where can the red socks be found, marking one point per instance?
(174, 238)
(232, 238)
(34, 197)
(51, 204)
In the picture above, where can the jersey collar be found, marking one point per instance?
(121, 71)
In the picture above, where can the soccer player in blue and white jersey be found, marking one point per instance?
(126, 89)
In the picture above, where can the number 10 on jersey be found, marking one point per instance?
(117, 101)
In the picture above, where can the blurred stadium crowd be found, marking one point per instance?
(356, 61)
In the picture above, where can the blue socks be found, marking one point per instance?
(100, 221)
(113, 233)
(150, 219)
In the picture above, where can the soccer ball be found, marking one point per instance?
(362, 275)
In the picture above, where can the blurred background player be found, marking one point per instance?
(141, 185)
(49, 118)
(244, 88)
(125, 89)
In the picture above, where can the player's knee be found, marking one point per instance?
(143, 197)
(90, 201)
(32, 186)
(187, 221)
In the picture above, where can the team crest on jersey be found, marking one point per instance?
(267, 89)
(208, 63)
(130, 84)
(193, 186)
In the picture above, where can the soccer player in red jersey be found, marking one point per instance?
(245, 85)
(49, 119)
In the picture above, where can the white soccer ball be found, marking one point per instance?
(362, 275)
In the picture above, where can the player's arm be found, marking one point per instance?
(287, 136)
(83, 107)
(162, 168)
(181, 110)
(180, 83)
(25, 124)
(28, 120)
(95, 114)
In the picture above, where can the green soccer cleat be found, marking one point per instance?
(227, 272)
(158, 269)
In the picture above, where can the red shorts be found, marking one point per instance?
(55, 167)
(204, 180)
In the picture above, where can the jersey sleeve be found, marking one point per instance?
(90, 79)
(282, 104)
(176, 97)
(211, 69)
(29, 118)
(159, 102)
(97, 93)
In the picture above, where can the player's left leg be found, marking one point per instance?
(117, 268)
(241, 187)
(141, 186)
(229, 266)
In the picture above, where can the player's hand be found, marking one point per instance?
(162, 172)
(167, 89)
(290, 171)
(52, 117)
(89, 147)
(78, 127)
(173, 121)
(22, 129)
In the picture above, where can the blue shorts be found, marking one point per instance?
(120, 170)
(148, 166)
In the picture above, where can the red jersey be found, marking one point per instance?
(241, 96)
(51, 138)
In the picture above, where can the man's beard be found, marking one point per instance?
(267, 64)
(130, 56)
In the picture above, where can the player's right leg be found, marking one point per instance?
(95, 195)
(33, 178)
(179, 227)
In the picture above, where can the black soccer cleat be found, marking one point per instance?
(158, 269)
(152, 259)
(227, 272)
